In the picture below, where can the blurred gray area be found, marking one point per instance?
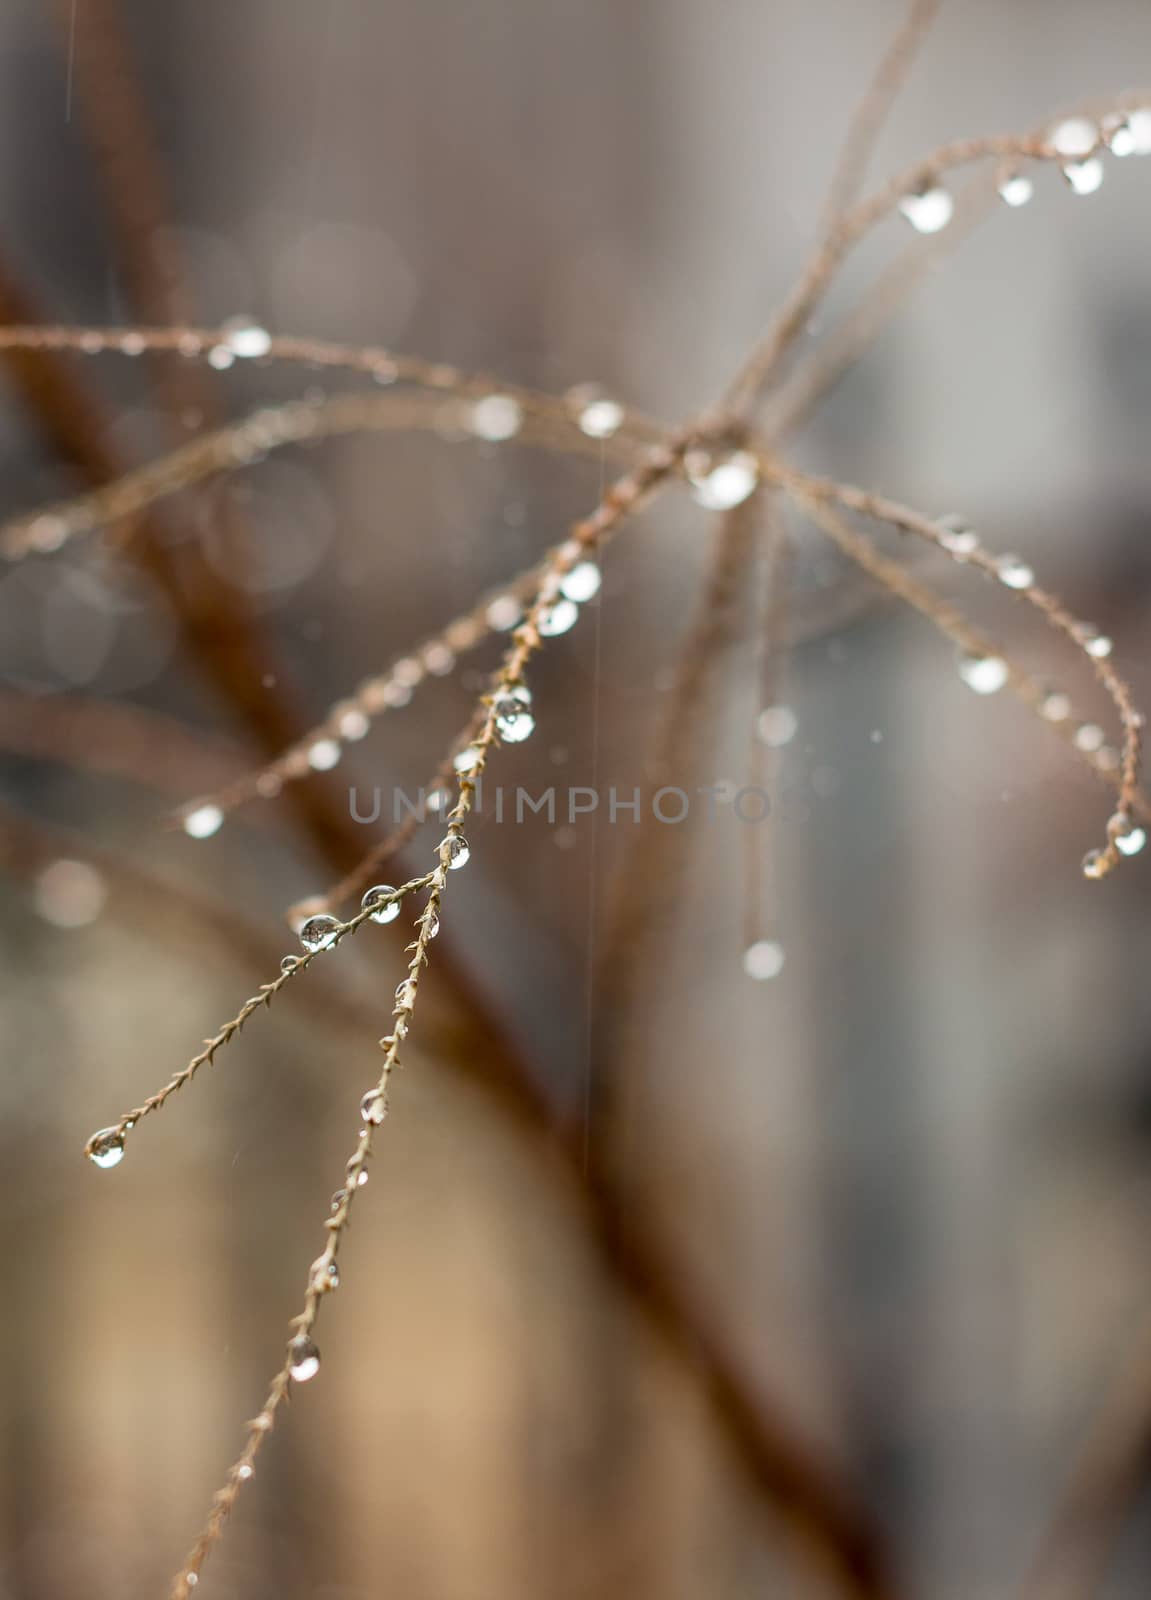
(910, 1179)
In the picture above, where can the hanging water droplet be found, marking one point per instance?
(503, 613)
(439, 659)
(324, 755)
(433, 924)
(1095, 864)
(467, 759)
(1095, 643)
(325, 1275)
(319, 933)
(337, 1200)
(496, 417)
(373, 1108)
(1119, 136)
(1014, 572)
(389, 909)
(513, 718)
(1075, 136)
(106, 1148)
(220, 358)
(1016, 190)
(1139, 123)
(722, 482)
(353, 724)
(1089, 736)
(956, 537)
(457, 849)
(764, 959)
(582, 583)
(202, 821)
(1126, 834)
(289, 963)
(405, 993)
(245, 1470)
(1055, 706)
(558, 618)
(984, 674)
(1085, 177)
(246, 338)
(929, 210)
(599, 419)
(777, 726)
(303, 1359)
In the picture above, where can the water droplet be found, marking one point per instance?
(353, 724)
(723, 482)
(1095, 864)
(202, 821)
(337, 1200)
(984, 674)
(220, 358)
(245, 1470)
(1089, 736)
(513, 717)
(324, 755)
(599, 419)
(319, 933)
(458, 850)
(405, 993)
(1075, 136)
(389, 910)
(373, 1108)
(361, 1177)
(289, 963)
(1016, 190)
(246, 338)
(957, 538)
(1085, 177)
(325, 1275)
(70, 894)
(1126, 835)
(303, 1359)
(777, 726)
(764, 959)
(1095, 643)
(929, 210)
(467, 759)
(1139, 122)
(433, 924)
(106, 1148)
(439, 660)
(582, 583)
(559, 618)
(503, 613)
(1014, 572)
(496, 417)
(1055, 706)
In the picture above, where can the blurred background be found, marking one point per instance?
(671, 1284)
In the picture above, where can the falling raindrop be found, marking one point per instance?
(202, 821)
(319, 933)
(379, 895)
(106, 1148)
(303, 1359)
(984, 674)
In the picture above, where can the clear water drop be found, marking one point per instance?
(324, 755)
(1075, 136)
(513, 717)
(600, 418)
(106, 1148)
(763, 960)
(373, 1108)
(353, 724)
(1014, 572)
(957, 537)
(389, 910)
(202, 821)
(1016, 190)
(457, 849)
(984, 674)
(496, 417)
(289, 963)
(777, 726)
(1085, 177)
(1095, 864)
(929, 210)
(1126, 834)
(558, 618)
(433, 924)
(1089, 736)
(503, 613)
(319, 933)
(246, 338)
(303, 1359)
(582, 583)
(467, 759)
(1055, 706)
(721, 483)
(325, 1275)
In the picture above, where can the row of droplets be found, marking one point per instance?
(1079, 140)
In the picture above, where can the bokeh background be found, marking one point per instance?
(901, 1191)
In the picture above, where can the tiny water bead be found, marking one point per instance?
(246, 338)
(503, 613)
(582, 583)
(324, 755)
(467, 759)
(723, 483)
(957, 537)
(373, 1108)
(353, 724)
(1016, 190)
(1014, 573)
(929, 209)
(325, 1275)
(1075, 136)
(599, 419)
(777, 726)
(1055, 706)
(319, 933)
(512, 711)
(106, 1148)
(458, 851)
(558, 618)
(1095, 864)
(1084, 177)
(763, 960)
(983, 674)
(433, 925)
(1095, 643)
(289, 963)
(202, 821)
(1089, 737)
(303, 1359)
(1125, 834)
(379, 895)
(496, 417)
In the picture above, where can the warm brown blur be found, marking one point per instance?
(669, 1284)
